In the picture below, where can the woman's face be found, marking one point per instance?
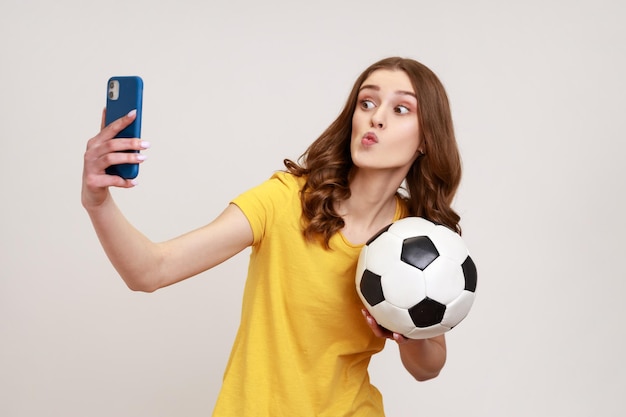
(385, 127)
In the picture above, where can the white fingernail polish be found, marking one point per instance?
(132, 113)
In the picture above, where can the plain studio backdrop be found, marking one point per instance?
(231, 88)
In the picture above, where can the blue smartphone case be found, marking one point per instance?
(123, 95)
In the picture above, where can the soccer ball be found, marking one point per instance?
(416, 278)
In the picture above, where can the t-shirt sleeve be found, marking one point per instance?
(263, 204)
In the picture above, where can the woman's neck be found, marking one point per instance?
(371, 206)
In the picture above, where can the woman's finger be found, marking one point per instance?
(112, 129)
(376, 328)
(117, 158)
(118, 145)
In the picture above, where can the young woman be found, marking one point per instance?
(305, 341)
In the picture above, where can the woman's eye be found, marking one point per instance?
(367, 104)
(402, 109)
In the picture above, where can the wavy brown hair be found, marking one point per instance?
(431, 182)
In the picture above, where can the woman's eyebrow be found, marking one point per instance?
(377, 88)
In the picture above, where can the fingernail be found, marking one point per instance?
(132, 113)
(145, 144)
(133, 182)
(141, 157)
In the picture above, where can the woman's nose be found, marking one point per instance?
(378, 119)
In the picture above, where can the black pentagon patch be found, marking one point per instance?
(427, 312)
(419, 251)
(380, 232)
(371, 289)
(471, 275)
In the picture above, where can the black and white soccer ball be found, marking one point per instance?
(416, 278)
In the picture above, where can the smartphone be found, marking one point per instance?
(123, 95)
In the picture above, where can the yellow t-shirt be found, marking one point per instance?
(303, 347)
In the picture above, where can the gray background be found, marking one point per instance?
(537, 92)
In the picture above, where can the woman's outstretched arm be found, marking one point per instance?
(145, 265)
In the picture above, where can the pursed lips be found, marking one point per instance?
(369, 139)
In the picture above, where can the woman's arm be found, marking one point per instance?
(423, 358)
(142, 264)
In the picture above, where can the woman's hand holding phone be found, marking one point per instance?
(103, 151)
